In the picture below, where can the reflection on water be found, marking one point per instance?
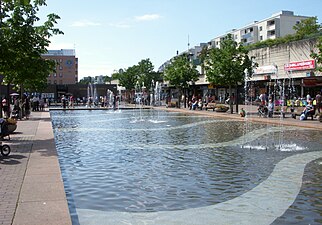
(113, 162)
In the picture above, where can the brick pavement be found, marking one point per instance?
(253, 116)
(31, 187)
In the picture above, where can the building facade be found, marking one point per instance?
(66, 71)
(289, 64)
(278, 25)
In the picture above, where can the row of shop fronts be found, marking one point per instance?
(293, 80)
(285, 70)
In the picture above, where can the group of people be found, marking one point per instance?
(195, 104)
(67, 101)
(19, 109)
(312, 105)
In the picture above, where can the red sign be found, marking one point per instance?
(304, 65)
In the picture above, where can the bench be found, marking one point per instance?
(172, 104)
(297, 111)
(210, 105)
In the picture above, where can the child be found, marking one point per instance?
(242, 112)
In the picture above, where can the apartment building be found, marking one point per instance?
(278, 25)
(66, 71)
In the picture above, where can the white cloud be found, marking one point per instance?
(84, 23)
(147, 17)
(120, 25)
(127, 23)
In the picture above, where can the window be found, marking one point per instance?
(270, 23)
(55, 74)
(60, 75)
(49, 75)
(260, 28)
(60, 67)
(251, 29)
(60, 60)
(260, 38)
(297, 22)
(55, 81)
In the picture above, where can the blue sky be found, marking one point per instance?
(109, 35)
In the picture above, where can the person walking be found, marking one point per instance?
(6, 108)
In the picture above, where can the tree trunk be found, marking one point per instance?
(185, 98)
(231, 100)
(237, 98)
(179, 98)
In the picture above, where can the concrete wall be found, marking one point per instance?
(283, 54)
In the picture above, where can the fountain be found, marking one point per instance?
(109, 98)
(157, 94)
(138, 102)
(165, 173)
(92, 99)
(178, 171)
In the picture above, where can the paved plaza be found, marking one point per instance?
(32, 190)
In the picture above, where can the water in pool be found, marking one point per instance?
(151, 161)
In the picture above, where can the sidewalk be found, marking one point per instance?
(253, 116)
(31, 187)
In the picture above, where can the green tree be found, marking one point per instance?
(107, 79)
(307, 27)
(180, 72)
(23, 42)
(147, 77)
(86, 80)
(318, 55)
(226, 65)
(128, 79)
(145, 69)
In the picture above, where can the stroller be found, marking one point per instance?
(4, 149)
(262, 111)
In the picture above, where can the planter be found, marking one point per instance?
(221, 109)
(12, 128)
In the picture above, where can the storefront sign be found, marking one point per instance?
(265, 70)
(303, 65)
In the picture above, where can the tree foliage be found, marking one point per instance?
(318, 55)
(307, 27)
(23, 42)
(180, 72)
(129, 77)
(145, 69)
(227, 65)
(141, 74)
